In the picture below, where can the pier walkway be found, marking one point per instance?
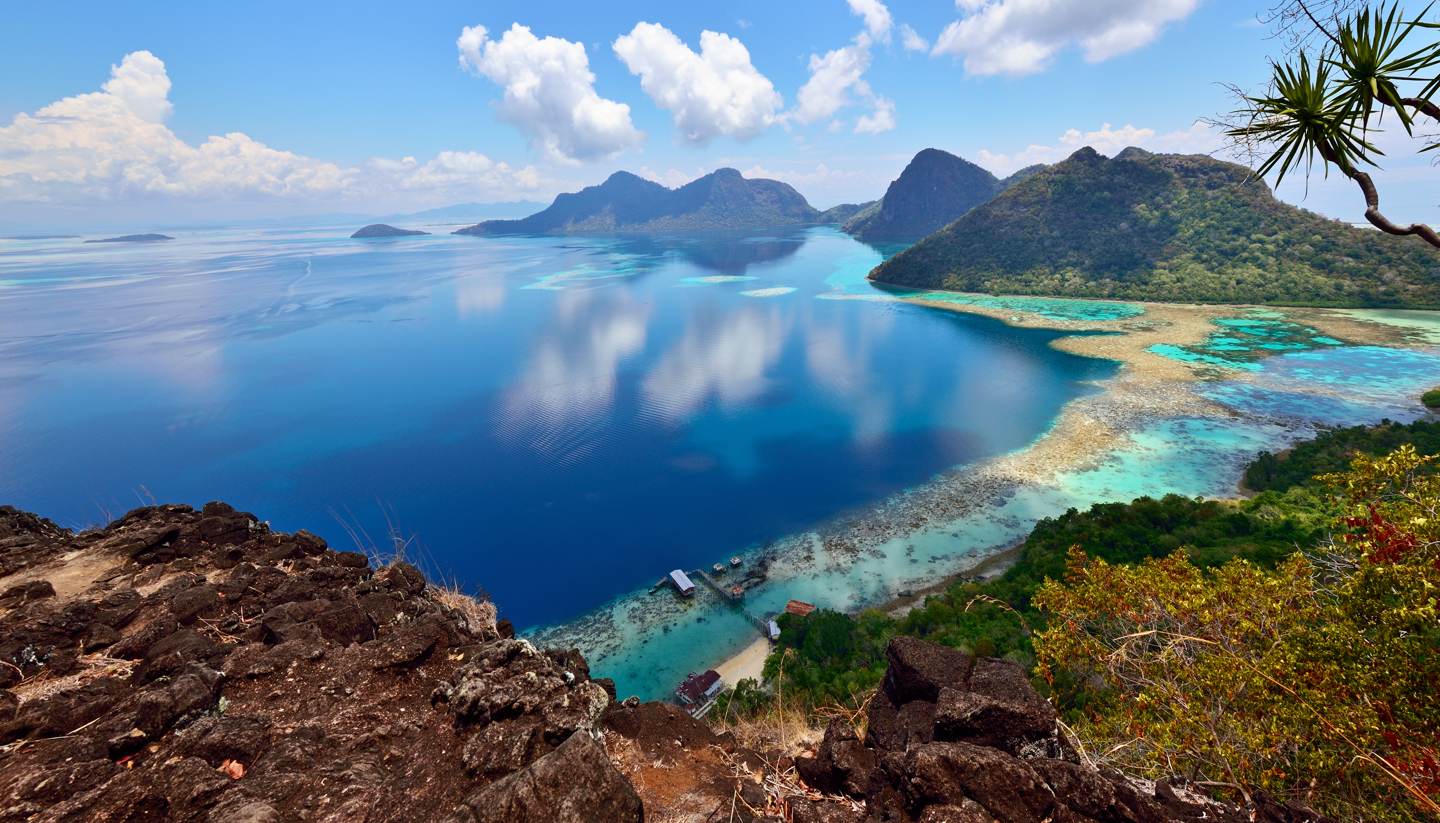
(736, 602)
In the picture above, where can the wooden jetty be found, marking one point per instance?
(736, 601)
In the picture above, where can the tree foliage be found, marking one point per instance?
(834, 658)
(1314, 679)
(1332, 451)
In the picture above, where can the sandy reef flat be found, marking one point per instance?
(1116, 443)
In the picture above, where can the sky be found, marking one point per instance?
(147, 114)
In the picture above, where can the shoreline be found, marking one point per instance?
(1159, 423)
(1146, 387)
(744, 663)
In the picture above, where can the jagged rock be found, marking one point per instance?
(194, 603)
(217, 738)
(967, 811)
(842, 763)
(508, 678)
(940, 773)
(402, 577)
(576, 783)
(173, 653)
(294, 668)
(23, 593)
(918, 670)
(247, 811)
(993, 712)
(503, 747)
(658, 725)
(822, 811)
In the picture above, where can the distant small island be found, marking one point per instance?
(383, 230)
(133, 238)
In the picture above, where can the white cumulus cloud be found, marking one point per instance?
(837, 79)
(911, 39)
(715, 92)
(114, 142)
(112, 145)
(1198, 139)
(832, 79)
(549, 93)
(1023, 36)
(455, 173)
(880, 119)
(876, 16)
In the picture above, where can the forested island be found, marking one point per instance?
(1183, 228)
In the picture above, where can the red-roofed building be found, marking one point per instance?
(699, 689)
(799, 608)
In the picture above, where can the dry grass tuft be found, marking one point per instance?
(781, 786)
(479, 613)
(791, 731)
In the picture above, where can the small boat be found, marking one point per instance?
(736, 591)
(718, 568)
(735, 562)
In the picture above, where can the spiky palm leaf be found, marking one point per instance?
(1304, 115)
(1370, 64)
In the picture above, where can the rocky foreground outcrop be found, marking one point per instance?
(198, 666)
(956, 739)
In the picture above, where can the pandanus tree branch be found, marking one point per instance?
(1372, 205)
(1323, 108)
(1372, 195)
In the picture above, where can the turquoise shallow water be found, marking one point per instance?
(649, 640)
(1241, 343)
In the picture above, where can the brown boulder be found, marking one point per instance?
(994, 714)
(22, 593)
(948, 773)
(918, 670)
(841, 763)
(504, 747)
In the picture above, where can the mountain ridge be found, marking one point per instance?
(626, 202)
(934, 188)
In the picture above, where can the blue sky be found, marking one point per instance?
(329, 101)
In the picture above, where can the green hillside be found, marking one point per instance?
(1178, 228)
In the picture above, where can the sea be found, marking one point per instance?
(558, 422)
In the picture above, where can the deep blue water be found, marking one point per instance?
(558, 421)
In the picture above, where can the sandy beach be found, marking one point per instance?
(748, 662)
